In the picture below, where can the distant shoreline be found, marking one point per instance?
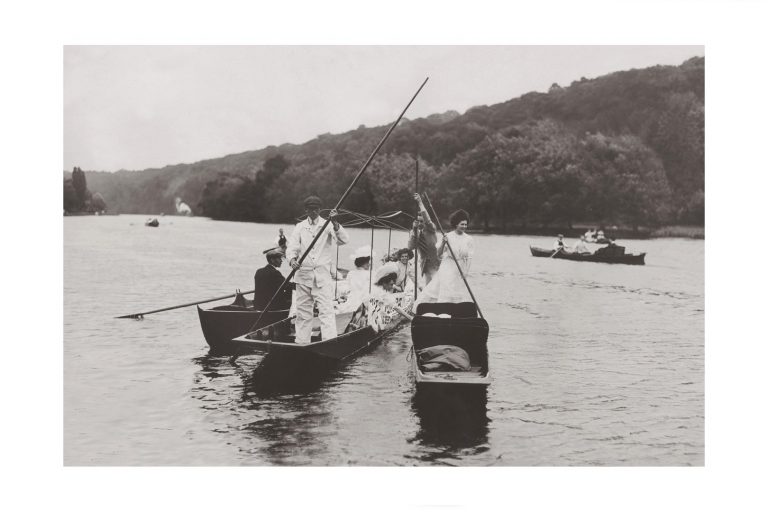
(673, 231)
(691, 232)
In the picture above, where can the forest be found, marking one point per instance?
(626, 148)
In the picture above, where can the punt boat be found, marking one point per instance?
(223, 323)
(452, 324)
(359, 330)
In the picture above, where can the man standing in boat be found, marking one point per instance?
(313, 277)
(423, 237)
(266, 282)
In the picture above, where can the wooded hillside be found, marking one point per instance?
(625, 148)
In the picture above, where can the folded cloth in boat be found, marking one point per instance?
(444, 357)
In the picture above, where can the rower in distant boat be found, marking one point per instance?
(581, 246)
(560, 244)
(266, 282)
(600, 235)
(313, 277)
(589, 236)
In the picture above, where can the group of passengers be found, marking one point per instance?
(314, 282)
(611, 249)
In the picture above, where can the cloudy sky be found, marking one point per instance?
(133, 107)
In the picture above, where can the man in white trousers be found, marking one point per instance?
(313, 278)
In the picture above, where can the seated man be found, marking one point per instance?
(559, 244)
(581, 246)
(266, 282)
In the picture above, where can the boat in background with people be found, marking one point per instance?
(152, 223)
(610, 253)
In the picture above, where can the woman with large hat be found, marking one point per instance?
(358, 280)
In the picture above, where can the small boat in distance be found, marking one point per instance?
(626, 259)
(152, 223)
(455, 326)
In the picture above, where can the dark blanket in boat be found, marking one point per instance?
(444, 358)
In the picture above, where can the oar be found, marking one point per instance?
(556, 251)
(338, 204)
(461, 272)
(140, 315)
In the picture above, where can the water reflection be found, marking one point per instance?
(279, 408)
(451, 420)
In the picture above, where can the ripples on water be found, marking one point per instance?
(592, 364)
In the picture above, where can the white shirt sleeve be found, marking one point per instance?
(294, 243)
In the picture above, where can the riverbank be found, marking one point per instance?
(620, 233)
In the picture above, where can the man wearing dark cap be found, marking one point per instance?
(266, 282)
(313, 278)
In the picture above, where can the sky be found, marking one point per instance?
(135, 107)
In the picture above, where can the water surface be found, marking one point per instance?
(593, 364)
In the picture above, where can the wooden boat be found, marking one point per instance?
(152, 223)
(626, 259)
(359, 330)
(463, 329)
(223, 323)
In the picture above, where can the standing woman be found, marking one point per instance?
(448, 286)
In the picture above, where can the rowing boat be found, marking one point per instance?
(626, 259)
(454, 325)
(360, 330)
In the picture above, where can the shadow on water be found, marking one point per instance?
(451, 420)
(278, 408)
(271, 375)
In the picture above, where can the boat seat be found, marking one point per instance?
(456, 310)
(473, 370)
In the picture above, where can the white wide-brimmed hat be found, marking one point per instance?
(362, 252)
(389, 267)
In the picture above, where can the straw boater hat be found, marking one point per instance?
(385, 270)
(273, 252)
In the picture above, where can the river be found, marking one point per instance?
(593, 364)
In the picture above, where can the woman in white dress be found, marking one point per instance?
(359, 280)
(448, 286)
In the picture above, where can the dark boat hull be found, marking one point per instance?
(461, 330)
(625, 259)
(340, 348)
(223, 323)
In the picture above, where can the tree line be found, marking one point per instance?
(624, 148)
(77, 197)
